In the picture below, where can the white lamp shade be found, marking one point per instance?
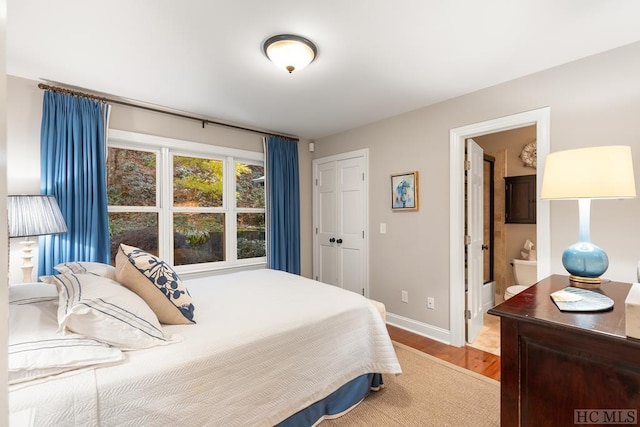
(593, 173)
(34, 216)
(290, 52)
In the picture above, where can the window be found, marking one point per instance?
(194, 205)
(250, 216)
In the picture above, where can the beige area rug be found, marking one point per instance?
(488, 338)
(429, 392)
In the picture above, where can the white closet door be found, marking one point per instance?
(327, 223)
(340, 220)
(350, 212)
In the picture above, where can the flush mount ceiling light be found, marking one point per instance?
(290, 52)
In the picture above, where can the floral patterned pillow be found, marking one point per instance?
(156, 283)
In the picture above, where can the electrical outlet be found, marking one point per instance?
(431, 304)
(404, 296)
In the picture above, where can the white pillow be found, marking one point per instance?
(102, 309)
(26, 293)
(79, 267)
(35, 348)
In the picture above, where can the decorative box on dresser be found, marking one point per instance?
(555, 364)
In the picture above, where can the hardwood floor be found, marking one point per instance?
(470, 358)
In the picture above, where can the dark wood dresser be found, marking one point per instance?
(554, 363)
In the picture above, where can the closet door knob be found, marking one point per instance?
(331, 240)
(339, 241)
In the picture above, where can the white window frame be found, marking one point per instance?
(166, 149)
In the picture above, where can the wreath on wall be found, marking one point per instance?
(529, 155)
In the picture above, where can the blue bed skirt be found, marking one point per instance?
(339, 401)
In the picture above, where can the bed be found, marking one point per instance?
(267, 348)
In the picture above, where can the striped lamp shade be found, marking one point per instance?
(34, 216)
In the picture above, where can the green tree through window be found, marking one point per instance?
(197, 221)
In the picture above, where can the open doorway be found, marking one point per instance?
(540, 118)
(508, 232)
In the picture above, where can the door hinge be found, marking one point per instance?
(316, 230)
(467, 314)
(363, 176)
(467, 239)
(363, 234)
(362, 291)
(316, 182)
(467, 165)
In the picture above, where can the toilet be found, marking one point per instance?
(525, 273)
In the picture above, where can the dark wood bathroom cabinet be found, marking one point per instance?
(520, 199)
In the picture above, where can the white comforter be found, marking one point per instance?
(266, 344)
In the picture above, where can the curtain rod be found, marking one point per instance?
(157, 110)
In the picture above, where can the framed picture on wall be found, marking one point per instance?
(404, 192)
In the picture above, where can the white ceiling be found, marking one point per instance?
(376, 58)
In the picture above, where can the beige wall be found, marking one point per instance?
(594, 101)
(24, 116)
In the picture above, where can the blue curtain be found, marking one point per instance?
(72, 156)
(283, 204)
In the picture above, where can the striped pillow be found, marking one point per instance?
(28, 293)
(78, 267)
(35, 349)
(102, 309)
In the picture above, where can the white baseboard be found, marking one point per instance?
(488, 305)
(488, 296)
(424, 329)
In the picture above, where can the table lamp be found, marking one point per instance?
(30, 216)
(585, 174)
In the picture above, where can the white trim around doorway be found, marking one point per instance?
(542, 119)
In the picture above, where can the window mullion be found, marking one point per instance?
(231, 221)
(166, 205)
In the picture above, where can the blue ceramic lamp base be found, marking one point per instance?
(585, 261)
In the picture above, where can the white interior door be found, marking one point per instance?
(474, 239)
(340, 212)
(326, 223)
(350, 240)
